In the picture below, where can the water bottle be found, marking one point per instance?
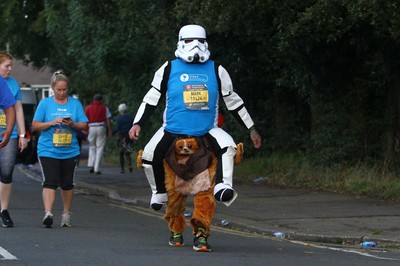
(224, 222)
(369, 244)
(279, 235)
(259, 180)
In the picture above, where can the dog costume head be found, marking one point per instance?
(184, 148)
(189, 156)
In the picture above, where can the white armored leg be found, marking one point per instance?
(157, 200)
(223, 191)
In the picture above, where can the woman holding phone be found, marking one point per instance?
(58, 117)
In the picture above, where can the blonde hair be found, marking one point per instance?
(58, 76)
(4, 56)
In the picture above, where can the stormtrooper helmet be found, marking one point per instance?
(192, 45)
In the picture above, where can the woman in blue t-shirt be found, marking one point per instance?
(8, 154)
(59, 118)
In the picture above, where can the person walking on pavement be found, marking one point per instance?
(7, 102)
(192, 85)
(58, 117)
(99, 128)
(17, 141)
(125, 144)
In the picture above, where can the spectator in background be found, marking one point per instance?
(17, 141)
(58, 118)
(99, 128)
(125, 144)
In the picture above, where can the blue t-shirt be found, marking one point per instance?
(15, 90)
(191, 99)
(7, 99)
(59, 141)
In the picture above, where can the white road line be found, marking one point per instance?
(357, 252)
(344, 250)
(6, 255)
(255, 235)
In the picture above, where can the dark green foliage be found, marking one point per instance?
(317, 76)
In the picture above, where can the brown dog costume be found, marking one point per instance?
(190, 168)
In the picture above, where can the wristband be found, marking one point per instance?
(22, 135)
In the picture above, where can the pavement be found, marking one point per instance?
(300, 215)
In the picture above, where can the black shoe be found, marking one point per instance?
(156, 206)
(122, 171)
(5, 216)
(91, 171)
(130, 169)
(48, 220)
(200, 241)
(176, 239)
(224, 195)
(97, 173)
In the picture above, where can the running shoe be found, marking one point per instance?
(200, 241)
(66, 219)
(176, 239)
(48, 220)
(5, 216)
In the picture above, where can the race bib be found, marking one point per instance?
(195, 97)
(62, 137)
(3, 120)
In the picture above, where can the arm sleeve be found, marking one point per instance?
(232, 100)
(152, 98)
(108, 113)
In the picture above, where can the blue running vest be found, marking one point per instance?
(191, 99)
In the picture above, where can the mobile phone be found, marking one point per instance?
(66, 119)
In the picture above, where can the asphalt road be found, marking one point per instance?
(106, 233)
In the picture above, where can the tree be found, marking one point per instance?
(23, 32)
(338, 58)
(318, 76)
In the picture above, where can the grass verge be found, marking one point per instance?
(295, 171)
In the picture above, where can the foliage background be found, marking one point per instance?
(319, 77)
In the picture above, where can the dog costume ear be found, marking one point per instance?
(239, 153)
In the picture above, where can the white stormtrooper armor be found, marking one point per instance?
(192, 48)
(192, 45)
